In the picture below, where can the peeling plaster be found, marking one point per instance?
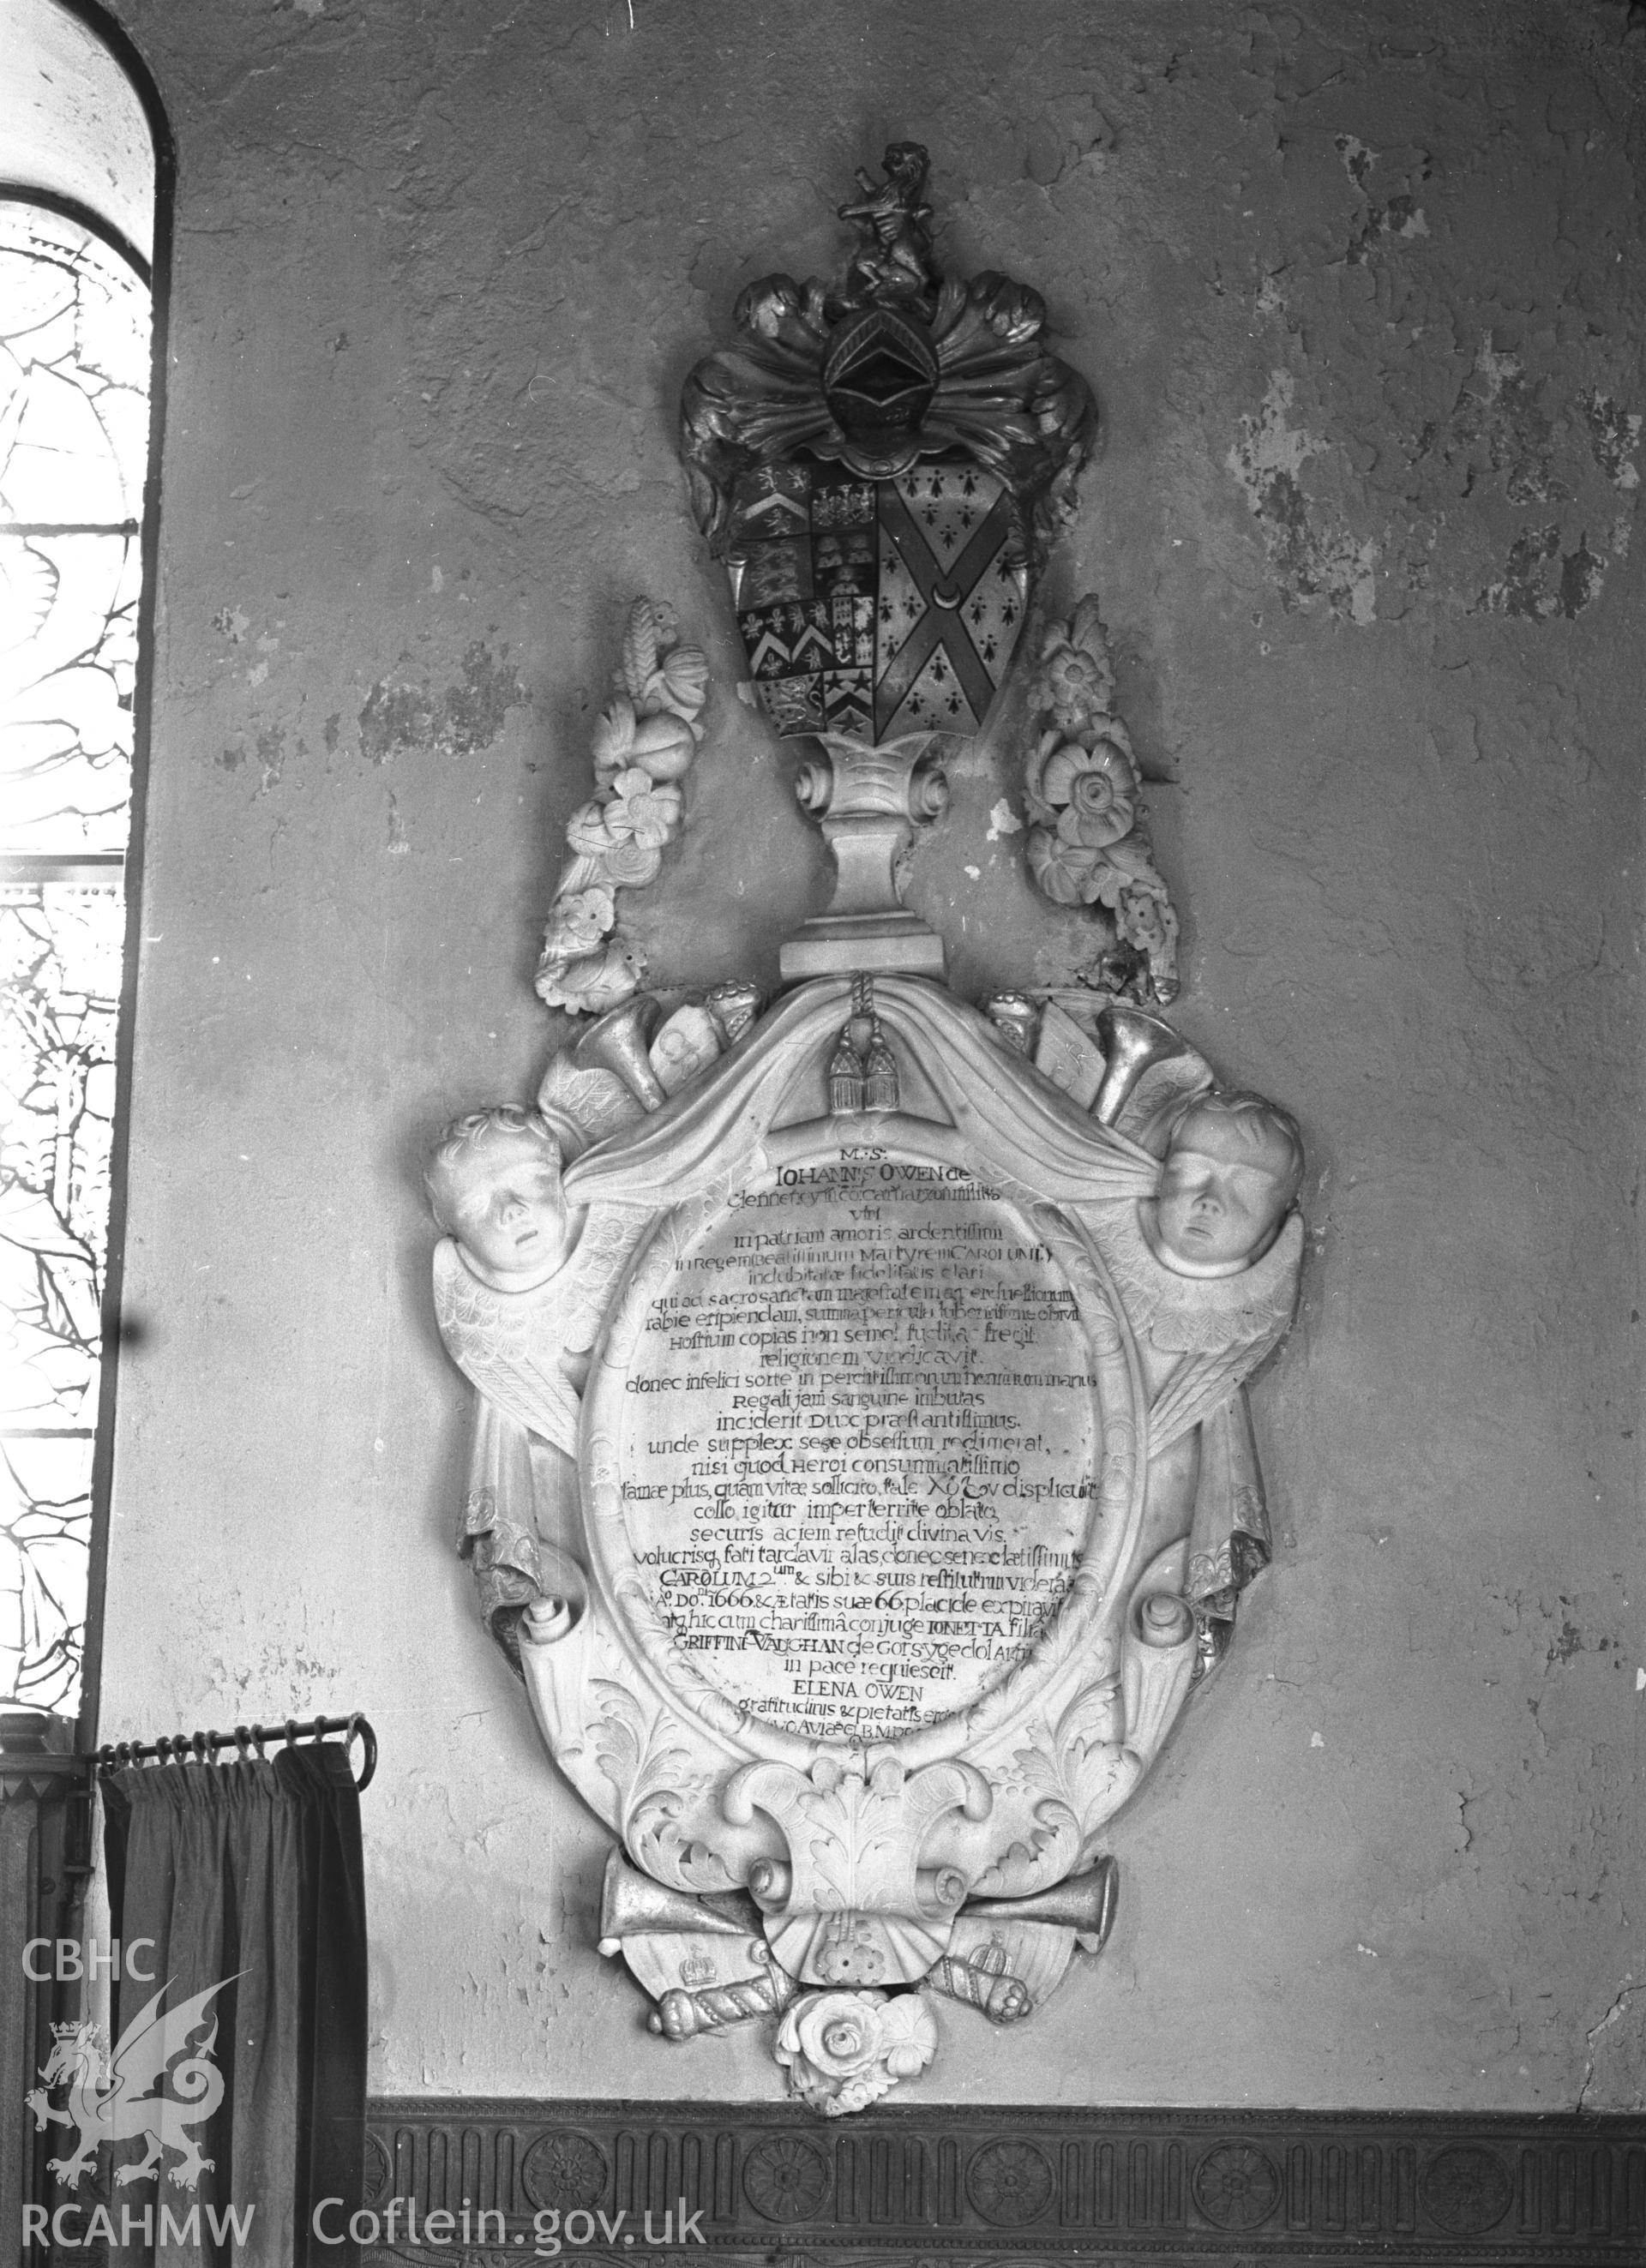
(467, 716)
(1310, 558)
(1617, 2054)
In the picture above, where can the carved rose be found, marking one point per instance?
(633, 865)
(576, 923)
(1098, 789)
(844, 2051)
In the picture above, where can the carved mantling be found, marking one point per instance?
(891, 366)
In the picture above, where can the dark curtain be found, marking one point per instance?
(249, 1872)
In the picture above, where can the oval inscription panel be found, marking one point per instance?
(857, 1447)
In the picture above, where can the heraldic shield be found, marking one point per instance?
(883, 463)
(872, 608)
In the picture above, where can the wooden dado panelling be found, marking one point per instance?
(965, 2187)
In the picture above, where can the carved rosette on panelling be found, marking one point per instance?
(962, 2185)
(861, 1479)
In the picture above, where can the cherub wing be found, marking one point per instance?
(1201, 1382)
(611, 1234)
(1207, 1376)
(507, 1343)
(154, 2036)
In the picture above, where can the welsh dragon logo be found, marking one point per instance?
(118, 2097)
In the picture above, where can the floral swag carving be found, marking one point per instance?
(1089, 840)
(644, 746)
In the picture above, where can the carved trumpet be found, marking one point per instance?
(1133, 1043)
(617, 1042)
(1085, 1904)
(633, 1905)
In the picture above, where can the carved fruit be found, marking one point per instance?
(686, 674)
(662, 746)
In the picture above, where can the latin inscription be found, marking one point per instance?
(859, 1441)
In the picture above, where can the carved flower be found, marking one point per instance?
(1066, 872)
(844, 2051)
(1097, 788)
(633, 865)
(650, 814)
(909, 2035)
(1145, 920)
(577, 921)
(1077, 686)
(837, 2033)
(599, 981)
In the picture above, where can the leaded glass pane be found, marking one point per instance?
(74, 365)
(74, 370)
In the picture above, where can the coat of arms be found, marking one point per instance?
(882, 464)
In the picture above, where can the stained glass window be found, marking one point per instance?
(74, 380)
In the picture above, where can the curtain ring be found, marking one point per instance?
(202, 1747)
(320, 1729)
(162, 1750)
(243, 1742)
(360, 1725)
(291, 1732)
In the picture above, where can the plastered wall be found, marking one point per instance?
(1360, 290)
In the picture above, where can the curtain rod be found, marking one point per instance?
(203, 1747)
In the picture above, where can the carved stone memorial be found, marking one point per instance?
(862, 1481)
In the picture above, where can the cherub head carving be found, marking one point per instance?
(494, 1181)
(1230, 1176)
